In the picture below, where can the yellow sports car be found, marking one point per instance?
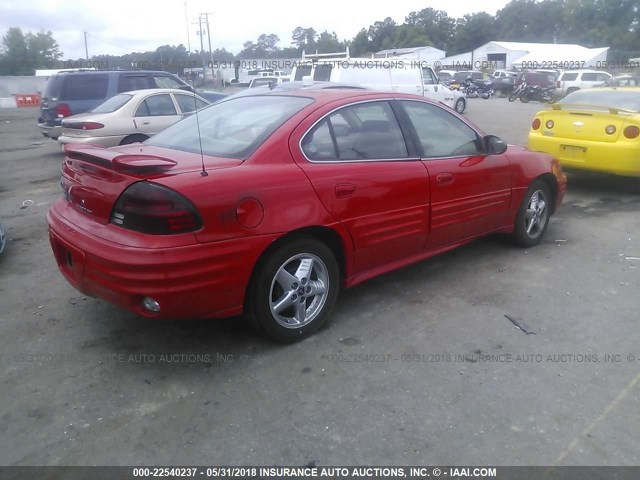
(596, 129)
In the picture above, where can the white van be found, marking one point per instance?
(387, 74)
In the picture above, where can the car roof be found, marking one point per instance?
(332, 94)
(147, 91)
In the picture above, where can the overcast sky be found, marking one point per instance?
(117, 27)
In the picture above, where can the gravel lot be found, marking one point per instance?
(419, 366)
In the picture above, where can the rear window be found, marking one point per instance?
(113, 104)
(302, 71)
(52, 87)
(323, 72)
(626, 100)
(84, 87)
(233, 128)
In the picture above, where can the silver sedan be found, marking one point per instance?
(130, 117)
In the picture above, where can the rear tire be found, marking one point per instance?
(460, 105)
(524, 99)
(293, 290)
(133, 139)
(533, 216)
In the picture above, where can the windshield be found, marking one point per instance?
(113, 104)
(626, 100)
(233, 128)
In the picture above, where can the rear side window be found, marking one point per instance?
(133, 82)
(156, 106)
(569, 77)
(367, 131)
(84, 87)
(164, 81)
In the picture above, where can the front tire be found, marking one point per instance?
(293, 290)
(533, 215)
(460, 105)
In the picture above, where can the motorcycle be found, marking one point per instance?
(477, 88)
(517, 92)
(537, 93)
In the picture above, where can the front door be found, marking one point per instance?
(470, 190)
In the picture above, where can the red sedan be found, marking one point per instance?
(267, 204)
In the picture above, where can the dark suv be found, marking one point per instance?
(70, 93)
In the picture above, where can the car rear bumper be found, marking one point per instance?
(110, 141)
(49, 131)
(190, 281)
(616, 158)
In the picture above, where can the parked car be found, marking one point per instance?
(446, 76)
(503, 81)
(623, 81)
(71, 93)
(570, 81)
(280, 199)
(130, 117)
(261, 81)
(595, 129)
(406, 76)
(3, 236)
(542, 79)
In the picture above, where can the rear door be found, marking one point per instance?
(358, 163)
(155, 113)
(406, 80)
(470, 191)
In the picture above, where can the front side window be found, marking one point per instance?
(127, 83)
(365, 131)
(441, 134)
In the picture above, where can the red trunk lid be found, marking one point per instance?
(94, 177)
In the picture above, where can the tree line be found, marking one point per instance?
(591, 23)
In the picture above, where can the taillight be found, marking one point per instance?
(549, 124)
(63, 110)
(154, 209)
(610, 129)
(535, 124)
(631, 132)
(83, 125)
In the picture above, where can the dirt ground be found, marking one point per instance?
(419, 366)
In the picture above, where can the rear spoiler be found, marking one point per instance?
(612, 110)
(131, 163)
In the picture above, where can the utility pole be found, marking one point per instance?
(86, 49)
(186, 22)
(200, 33)
(206, 16)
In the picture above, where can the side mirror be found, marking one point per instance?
(188, 88)
(494, 145)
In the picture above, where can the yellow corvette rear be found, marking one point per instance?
(596, 129)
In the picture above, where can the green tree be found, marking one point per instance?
(15, 59)
(472, 31)
(437, 25)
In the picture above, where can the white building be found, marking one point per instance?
(519, 55)
(431, 55)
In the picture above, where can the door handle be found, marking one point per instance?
(145, 123)
(345, 190)
(444, 178)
